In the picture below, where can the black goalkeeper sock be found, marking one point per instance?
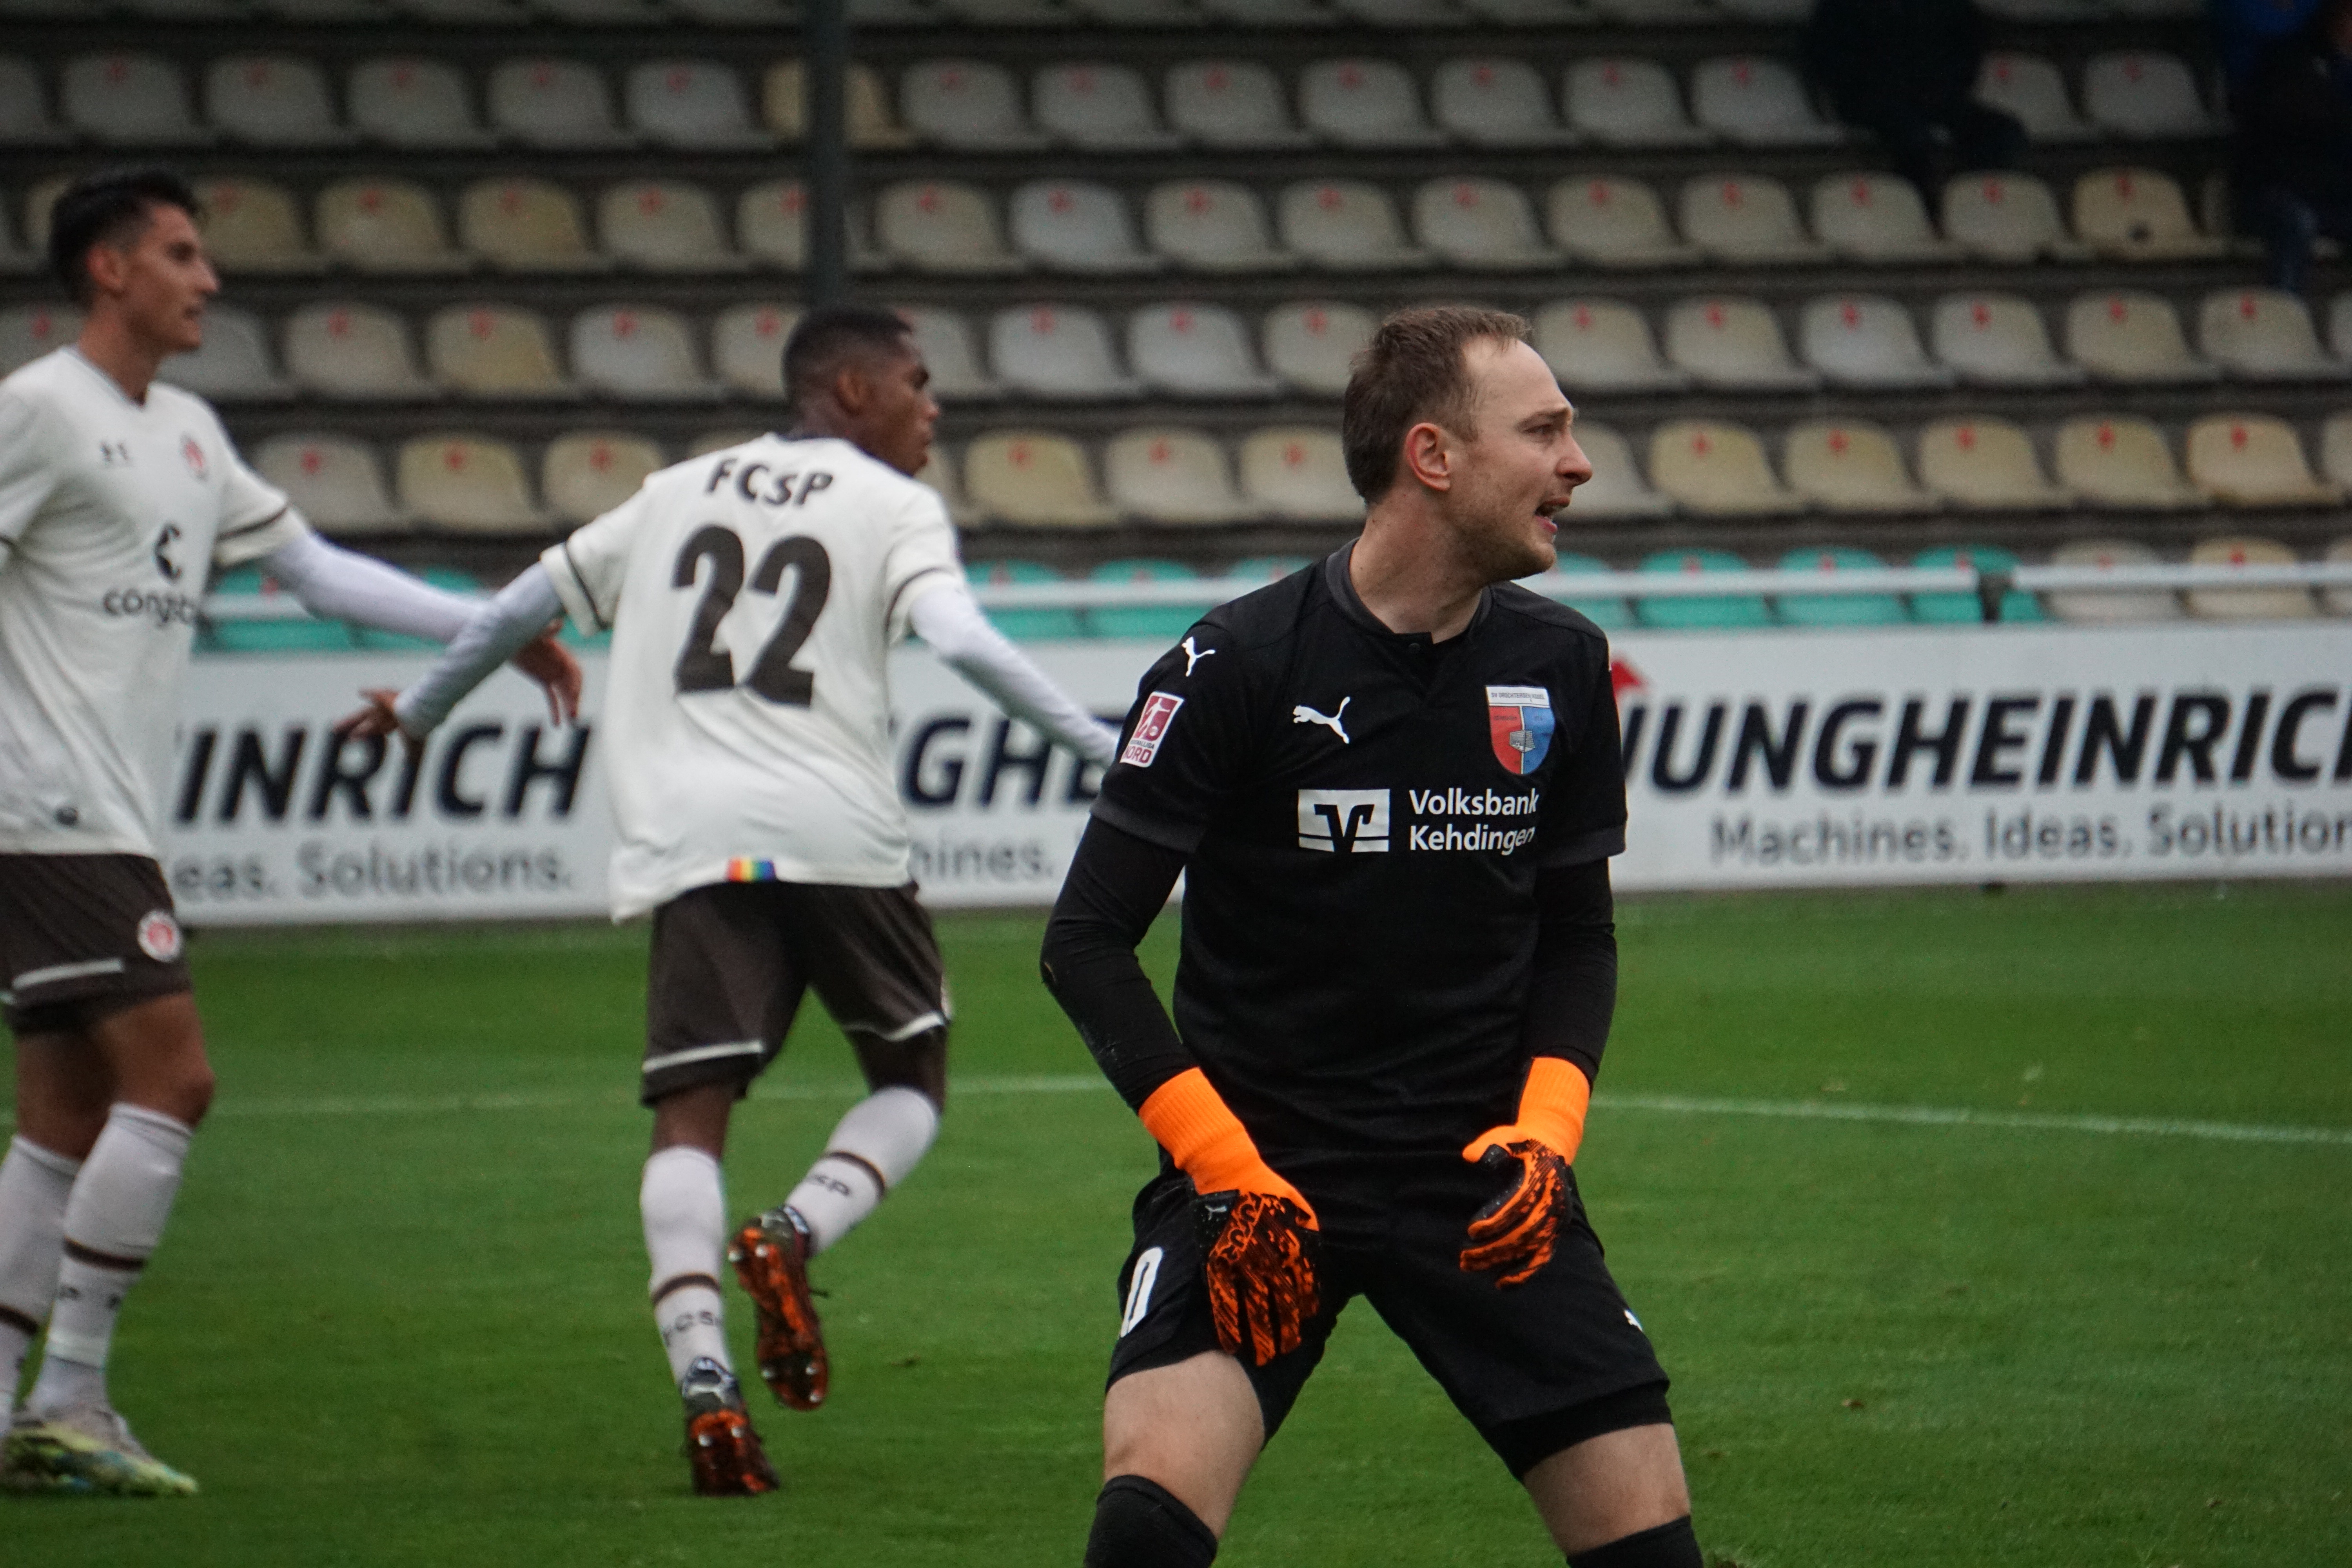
(1141, 1524)
(1671, 1545)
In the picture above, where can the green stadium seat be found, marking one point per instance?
(447, 578)
(1164, 622)
(1024, 625)
(305, 636)
(1838, 609)
(1738, 612)
(1608, 614)
(1953, 609)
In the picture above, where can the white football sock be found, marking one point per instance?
(871, 1151)
(34, 1183)
(683, 1201)
(112, 1222)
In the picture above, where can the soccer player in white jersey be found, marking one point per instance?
(753, 596)
(119, 495)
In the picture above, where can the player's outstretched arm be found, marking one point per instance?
(340, 585)
(494, 633)
(1260, 1264)
(950, 620)
(1564, 1029)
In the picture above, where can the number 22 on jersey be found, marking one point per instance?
(702, 664)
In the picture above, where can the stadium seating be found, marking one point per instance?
(1603, 345)
(1481, 226)
(28, 331)
(554, 104)
(129, 100)
(2335, 449)
(640, 354)
(1311, 344)
(1867, 342)
(1167, 475)
(1851, 466)
(1076, 225)
(253, 225)
(494, 351)
(1237, 105)
(1609, 613)
(385, 226)
(1160, 623)
(872, 126)
(1756, 102)
(1614, 223)
(1100, 107)
(2113, 460)
(1495, 102)
(1837, 609)
(2133, 338)
(14, 258)
(1347, 226)
(348, 351)
(1213, 226)
(967, 106)
(412, 103)
(1717, 469)
(1298, 474)
(467, 484)
(747, 348)
(24, 110)
(1999, 340)
(1056, 352)
(1873, 218)
(1967, 609)
(1616, 490)
(1735, 345)
(692, 106)
(2139, 215)
(1743, 220)
(527, 226)
(1627, 103)
(1723, 613)
(2264, 334)
(945, 342)
(1024, 625)
(1034, 479)
(2339, 322)
(1986, 465)
(2029, 87)
(771, 223)
(333, 480)
(1195, 351)
(2254, 459)
(2268, 604)
(271, 101)
(2115, 605)
(234, 365)
(665, 226)
(939, 225)
(2008, 218)
(2145, 94)
(2338, 601)
(588, 473)
(1364, 103)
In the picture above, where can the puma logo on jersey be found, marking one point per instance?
(1193, 655)
(1303, 715)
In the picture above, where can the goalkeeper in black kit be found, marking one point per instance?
(1393, 783)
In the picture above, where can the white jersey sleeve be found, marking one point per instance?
(592, 562)
(923, 547)
(26, 474)
(255, 518)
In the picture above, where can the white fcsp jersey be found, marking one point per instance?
(753, 596)
(112, 515)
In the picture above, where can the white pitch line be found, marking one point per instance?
(1086, 1083)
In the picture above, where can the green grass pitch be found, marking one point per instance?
(400, 1317)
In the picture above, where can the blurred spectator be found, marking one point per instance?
(2293, 164)
(2242, 28)
(1906, 70)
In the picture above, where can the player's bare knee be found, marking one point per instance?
(920, 1064)
(694, 1118)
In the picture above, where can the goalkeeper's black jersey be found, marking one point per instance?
(1364, 813)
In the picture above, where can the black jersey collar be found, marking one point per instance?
(1342, 589)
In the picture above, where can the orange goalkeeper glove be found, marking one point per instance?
(1256, 1228)
(1515, 1235)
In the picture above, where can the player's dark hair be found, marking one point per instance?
(829, 336)
(110, 207)
(1415, 369)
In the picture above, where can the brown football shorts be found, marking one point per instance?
(82, 936)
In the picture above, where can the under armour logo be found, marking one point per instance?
(1193, 655)
(114, 454)
(1302, 714)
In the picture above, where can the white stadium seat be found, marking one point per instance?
(1745, 219)
(468, 484)
(1172, 475)
(2264, 604)
(665, 226)
(1603, 345)
(1628, 103)
(1868, 342)
(234, 365)
(385, 226)
(1236, 105)
(1186, 350)
(1056, 352)
(1298, 473)
(1101, 108)
(1986, 465)
(969, 106)
(587, 473)
(2140, 215)
(1999, 340)
(527, 226)
(1851, 466)
(1733, 345)
(336, 483)
(1312, 345)
(24, 114)
(873, 127)
(1495, 102)
(747, 347)
(940, 225)
(944, 339)
(693, 106)
(129, 99)
(2147, 94)
(1364, 103)
(1757, 101)
(1481, 225)
(1874, 217)
(1717, 469)
(494, 351)
(28, 331)
(2335, 450)
(2030, 87)
(253, 225)
(1616, 489)
(1347, 226)
(1614, 223)
(638, 352)
(1213, 226)
(2007, 217)
(555, 104)
(410, 102)
(346, 350)
(275, 100)
(2265, 334)
(1034, 480)
(2255, 460)
(1075, 225)
(2119, 461)
(2111, 608)
(2129, 336)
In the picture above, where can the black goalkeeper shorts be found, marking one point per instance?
(1537, 1367)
